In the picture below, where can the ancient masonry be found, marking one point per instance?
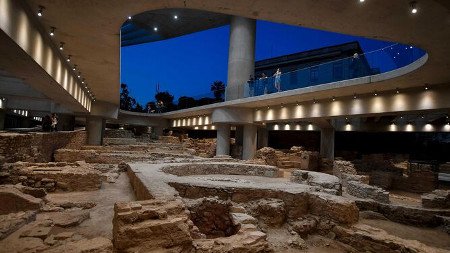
(186, 200)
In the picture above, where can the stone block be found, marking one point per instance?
(361, 190)
(336, 208)
(330, 183)
(157, 224)
(436, 199)
(12, 200)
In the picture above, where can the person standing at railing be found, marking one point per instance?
(263, 80)
(277, 82)
(251, 86)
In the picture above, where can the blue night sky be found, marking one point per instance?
(187, 65)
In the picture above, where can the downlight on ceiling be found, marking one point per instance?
(40, 11)
(52, 31)
(175, 17)
(68, 58)
(155, 29)
(413, 6)
(61, 46)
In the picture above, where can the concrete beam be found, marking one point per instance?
(28, 53)
(412, 100)
(232, 115)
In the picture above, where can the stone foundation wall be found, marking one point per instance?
(118, 133)
(361, 190)
(202, 147)
(296, 157)
(297, 205)
(99, 155)
(140, 191)
(151, 226)
(436, 199)
(329, 183)
(218, 168)
(55, 176)
(119, 141)
(169, 139)
(388, 174)
(37, 147)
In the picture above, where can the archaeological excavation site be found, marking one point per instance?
(174, 194)
(224, 126)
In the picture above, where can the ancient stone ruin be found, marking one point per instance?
(135, 194)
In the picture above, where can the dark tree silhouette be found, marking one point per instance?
(138, 108)
(167, 100)
(218, 88)
(150, 107)
(206, 101)
(186, 102)
(126, 101)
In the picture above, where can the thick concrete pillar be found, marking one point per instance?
(95, 127)
(241, 55)
(2, 119)
(159, 131)
(249, 145)
(327, 143)
(263, 138)
(223, 140)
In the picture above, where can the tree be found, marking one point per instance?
(206, 101)
(126, 101)
(150, 107)
(186, 102)
(167, 100)
(218, 88)
(138, 108)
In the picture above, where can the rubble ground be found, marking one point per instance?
(98, 225)
(429, 236)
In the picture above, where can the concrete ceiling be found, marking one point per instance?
(90, 29)
(140, 29)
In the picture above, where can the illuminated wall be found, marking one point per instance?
(21, 28)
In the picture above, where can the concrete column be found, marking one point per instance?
(223, 140)
(66, 122)
(327, 143)
(250, 138)
(95, 127)
(263, 138)
(2, 119)
(158, 130)
(241, 55)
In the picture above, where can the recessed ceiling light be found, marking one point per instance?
(40, 11)
(155, 29)
(129, 17)
(68, 58)
(413, 6)
(61, 46)
(52, 31)
(175, 17)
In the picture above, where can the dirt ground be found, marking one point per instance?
(279, 239)
(433, 237)
(405, 198)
